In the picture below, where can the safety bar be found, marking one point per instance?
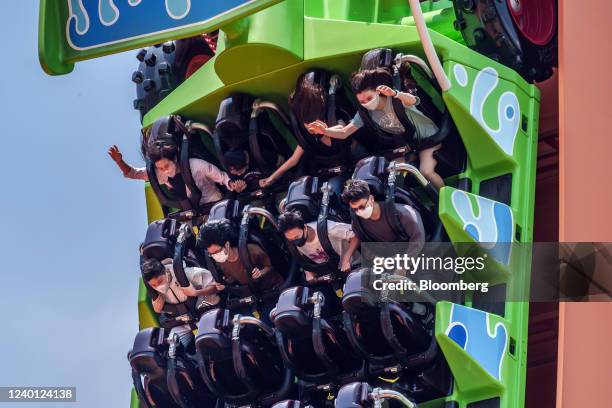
(260, 104)
(334, 83)
(198, 126)
(239, 320)
(395, 167)
(385, 277)
(430, 51)
(248, 211)
(416, 60)
(379, 395)
(318, 300)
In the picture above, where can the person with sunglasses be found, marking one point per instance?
(373, 220)
(306, 240)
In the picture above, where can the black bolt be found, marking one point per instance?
(168, 47)
(150, 60)
(460, 24)
(137, 77)
(164, 68)
(479, 34)
(148, 85)
(468, 5)
(141, 55)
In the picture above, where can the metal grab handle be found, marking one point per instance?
(239, 321)
(416, 60)
(379, 395)
(395, 167)
(248, 211)
(260, 104)
(198, 126)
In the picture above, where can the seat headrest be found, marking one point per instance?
(158, 241)
(236, 111)
(226, 209)
(357, 296)
(146, 356)
(377, 58)
(303, 196)
(372, 170)
(214, 334)
(353, 395)
(290, 315)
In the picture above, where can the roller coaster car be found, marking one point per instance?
(395, 338)
(381, 179)
(187, 138)
(253, 125)
(239, 361)
(169, 239)
(315, 347)
(268, 239)
(452, 156)
(323, 160)
(164, 374)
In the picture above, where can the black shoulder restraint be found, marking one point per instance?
(388, 140)
(322, 232)
(391, 214)
(273, 135)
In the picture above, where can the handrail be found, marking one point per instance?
(407, 168)
(430, 51)
(379, 395)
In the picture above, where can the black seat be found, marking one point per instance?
(452, 157)
(187, 139)
(385, 332)
(313, 346)
(239, 361)
(166, 376)
(320, 159)
(315, 201)
(374, 171)
(267, 238)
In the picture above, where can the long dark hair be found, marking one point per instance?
(309, 99)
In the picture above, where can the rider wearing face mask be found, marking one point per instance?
(165, 158)
(374, 90)
(306, 240)
(159, 275)
(220, 238)
(373, 219)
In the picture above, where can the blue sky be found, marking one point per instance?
(70, 223)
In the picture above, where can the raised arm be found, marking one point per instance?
(336, 132)
(406, 98)
(290, 163)
(127, 170)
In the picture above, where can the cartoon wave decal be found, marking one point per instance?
(96, 23)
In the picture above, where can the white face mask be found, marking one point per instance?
(220, 256)
(163, 288)
(373, 104)
(366, 213)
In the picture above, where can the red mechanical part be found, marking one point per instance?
(536, 19)
(196, 63)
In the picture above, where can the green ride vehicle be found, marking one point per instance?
(474, 62)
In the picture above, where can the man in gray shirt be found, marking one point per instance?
(374, 220)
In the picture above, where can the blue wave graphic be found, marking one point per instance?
(95, 23)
